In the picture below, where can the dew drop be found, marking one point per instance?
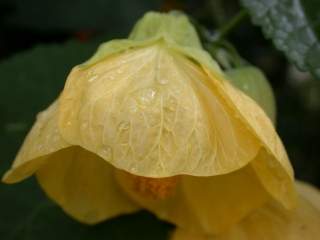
(91, 79)
(132, 106)
(163, 81)
(171, 103)
(106, 152)
(124, 126)
(90, 73)
(146, 96)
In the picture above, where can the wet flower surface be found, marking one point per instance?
(151, 122)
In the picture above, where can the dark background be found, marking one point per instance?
(41, 40)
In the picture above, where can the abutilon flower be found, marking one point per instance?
(152, 122)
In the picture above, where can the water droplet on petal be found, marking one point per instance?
(132, 106)
(106, 152)
(146, 96)
(172, 103)
(91, 79)
(163, 81)
(90, 73)
(124, 126)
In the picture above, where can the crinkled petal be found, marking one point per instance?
(83, 185)
(272, 222)
(80, 182)
(272, 164)
(145, 111)
(43, 139)
(207, 204)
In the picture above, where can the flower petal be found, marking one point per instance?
(272, 222)
(272, 164)
(144, 112)
(207, 204)
(43, 139)
(79, 181)
(220, 202)
(309, 193)
(83, 185)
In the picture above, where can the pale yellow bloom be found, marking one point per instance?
(273, 222)
(150, 122)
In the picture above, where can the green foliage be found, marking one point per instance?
(294, 26)
(76, 15)
(29, 82)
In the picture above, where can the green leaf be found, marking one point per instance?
(50, 223)
(29, 82)
(294, 27)
(76, 15)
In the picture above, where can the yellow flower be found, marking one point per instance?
(150, 122)
(273, 222)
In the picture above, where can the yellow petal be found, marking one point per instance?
(43, 139)
(272, 164)
(220, 202)
(206, 204)
(83, 185)
(310, 193)
(272, 222)
(80, 182)
(145, 111)
(182, 234)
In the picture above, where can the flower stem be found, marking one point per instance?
(230, 25)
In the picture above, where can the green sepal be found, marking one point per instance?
(174, 29)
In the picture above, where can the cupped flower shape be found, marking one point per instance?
(272, 221)
(151, 122)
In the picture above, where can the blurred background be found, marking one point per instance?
(41, 40)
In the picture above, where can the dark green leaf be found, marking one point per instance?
(294, 26)
(50, 223)
(74, 15)
(29, 82)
